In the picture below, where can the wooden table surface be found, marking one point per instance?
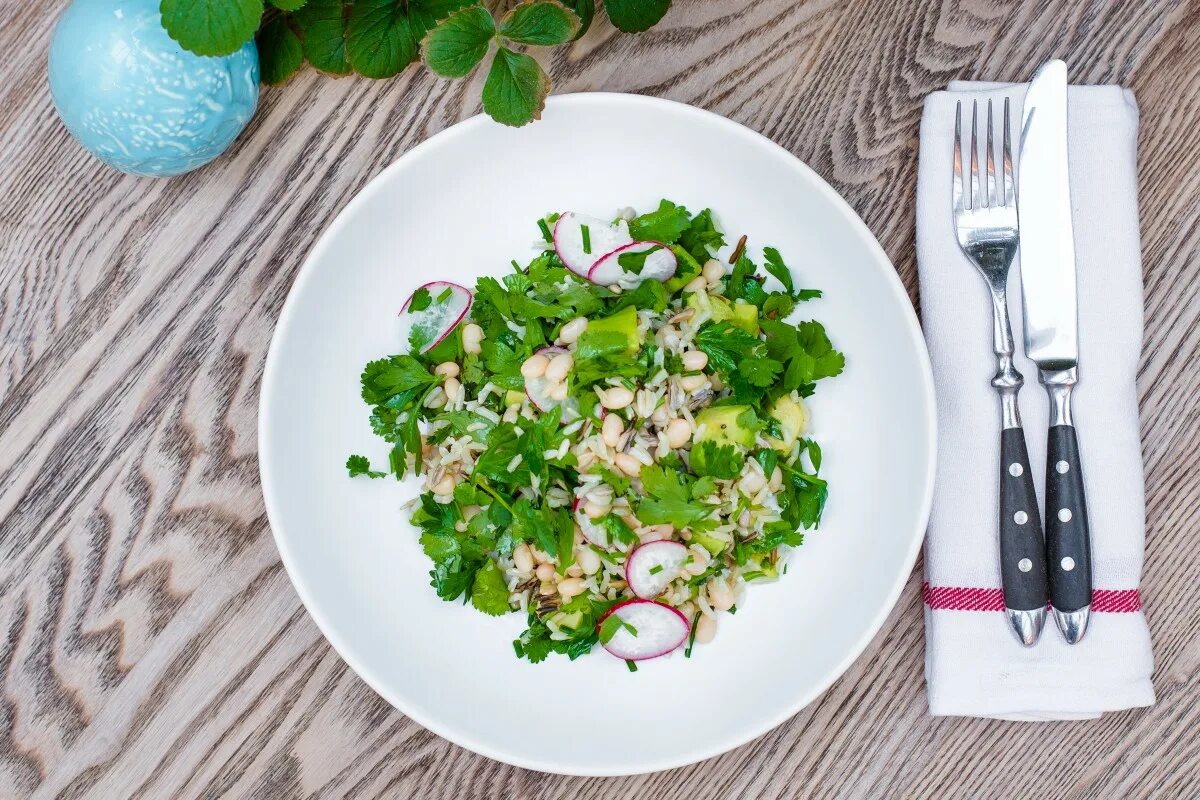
(150, 642)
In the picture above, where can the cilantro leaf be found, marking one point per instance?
(516, 88)
(725, 345)
(701, 237)
(360, 465)
(665, 224)
(635, 16)
(539, 23)
(280, 54)
(386, 378)
(760, 372)
(323, 25)
(827, 362)
(211, 27)
(717, 461)
(668, 500)
(458, 43)
(775, 266)
(489, 593)
(617, 529)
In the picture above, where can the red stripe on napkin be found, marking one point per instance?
(963, 598)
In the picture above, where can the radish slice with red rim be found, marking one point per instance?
(578, 251)
(653, 565)
(643, 629)
(436, 309)
(630, 264)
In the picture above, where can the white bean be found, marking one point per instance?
(713, 270)
(751, 483)
(522, 558)
(695, 360)
(720, 596)
(472, 337)
(616, 397)
(679, 433)
(451, 387)
(612, 429)
(570, 587)
(706, 629)
(569, 334)
(697, 284)
(557, 392)
(447, 369)
(445, 487)
(534, 366)
(589, 562)
(595, 510)
(559, 367)
(690, 383)
(776, 480)
(545, 572)
(575, 571)
(628, 464)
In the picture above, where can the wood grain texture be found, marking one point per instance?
(150, 642)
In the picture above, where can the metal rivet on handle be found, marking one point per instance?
(1015, 469)
(1020, 518)
(1068, 564)
(1024, 565)
(1062, 467)
(1064, 515)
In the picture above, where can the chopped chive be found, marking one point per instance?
(445, 295)
(733, 609)
(657, 568)
(587, 239)
(545, 230)
(687, 652)
(516, 266)
(632, 666)
(517, 647)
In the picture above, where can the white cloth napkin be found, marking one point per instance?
(974, 665)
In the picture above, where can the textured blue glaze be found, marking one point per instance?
(137, 100)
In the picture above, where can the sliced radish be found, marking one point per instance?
(653, 565)
(603, 237)
(594, 533)
(448, 304)
(659, 265)
(660, 629)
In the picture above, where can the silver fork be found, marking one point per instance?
(986, 226)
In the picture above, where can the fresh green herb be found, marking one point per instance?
(549, 237)
(611, 625)
(668, 500)
(489, 593)
(631, 665)
(634, 263)
(717, 461)
(445, 295)
(587, 238)
(657, 568)
(687, 651)
(360, 465)
(666, 224)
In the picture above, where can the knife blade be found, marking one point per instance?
(1048, 292)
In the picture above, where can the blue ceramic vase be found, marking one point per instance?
(137, 100)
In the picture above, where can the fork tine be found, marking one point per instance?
(976, 201)
(1010, 195)
(958, 176)
(992, 199)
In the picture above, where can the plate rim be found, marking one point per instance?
(891, 278)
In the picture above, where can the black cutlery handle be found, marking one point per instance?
(1068, 549)
(1022, 548)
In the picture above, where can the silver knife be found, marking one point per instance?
(1051, 337)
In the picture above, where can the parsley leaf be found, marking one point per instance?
(666, 224)
(360, 465)
(668, 500)
(701, 237)
(385, 379)
(775, 266)
(760, 372)
(489, 593)
(717, 461)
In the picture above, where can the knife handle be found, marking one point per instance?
(1022, 548)
(1068, 548)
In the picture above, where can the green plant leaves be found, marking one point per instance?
(211, 27)
(323, 27)
(516, 88)
(380, 40)
(279, 51)
(585, 10)
(543, 23)
(635, 16)
(459, 43)
(288, 5)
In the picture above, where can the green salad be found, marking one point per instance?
(612, 438)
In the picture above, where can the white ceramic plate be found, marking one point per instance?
(463, 204)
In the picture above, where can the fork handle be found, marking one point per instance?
(1022, 547)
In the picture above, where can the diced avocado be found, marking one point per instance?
(717, 307)
(720, 424)
(745, 316)
(760, 569)
(793, 419)
(513, 398)
(624, 322)
(709, 542)
(571, 620)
